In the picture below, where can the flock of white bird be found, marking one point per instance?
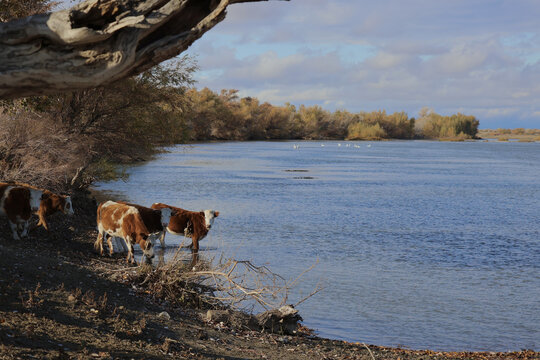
(296, 146)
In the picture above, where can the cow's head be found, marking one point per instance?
(209, 216)
(58, 202)
(166, 214)
(147, 247)
(68, 206)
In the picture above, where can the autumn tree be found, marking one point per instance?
(458, 126)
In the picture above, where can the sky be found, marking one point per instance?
(478, 57)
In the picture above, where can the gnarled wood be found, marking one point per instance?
(99, 41)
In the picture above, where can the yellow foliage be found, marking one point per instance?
(362, 131)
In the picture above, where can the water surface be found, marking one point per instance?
(420, 244)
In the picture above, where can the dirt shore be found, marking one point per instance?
(58, 300)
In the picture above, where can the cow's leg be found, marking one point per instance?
(25, 226)
(110, 244)
(194, 260)
(98, 245)
(42, 221)
(162, 238)
(21, 226)
(194, 252)
(114, 245)
(194, 244)
(13, 227)
(130, 258)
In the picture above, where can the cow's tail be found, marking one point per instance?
(98, 244)
(98, 215)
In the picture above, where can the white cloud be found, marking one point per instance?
(477, 57)
(384, 60)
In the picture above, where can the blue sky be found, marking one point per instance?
(478, 57)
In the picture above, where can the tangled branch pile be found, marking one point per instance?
(228, 283)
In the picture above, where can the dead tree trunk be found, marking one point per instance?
(99, 41)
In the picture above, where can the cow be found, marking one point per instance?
(124, 221)
(18, 203)
(194, 224)
(50, 204)
(156, 221)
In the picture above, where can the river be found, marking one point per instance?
(419, 244)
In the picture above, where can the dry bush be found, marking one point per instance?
(70, 140)
(34, 149)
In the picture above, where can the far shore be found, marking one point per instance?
(525, 135)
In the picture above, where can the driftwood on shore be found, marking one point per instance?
(99, 41)
(284, 320)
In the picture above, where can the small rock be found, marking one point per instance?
(283, 340)
(164, 315)
(217, 315)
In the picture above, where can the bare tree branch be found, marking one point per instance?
(99, 41)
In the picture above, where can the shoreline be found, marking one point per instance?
(59, 299)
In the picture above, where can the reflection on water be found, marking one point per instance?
(423, 244)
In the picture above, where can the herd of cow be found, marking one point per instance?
(127, 224)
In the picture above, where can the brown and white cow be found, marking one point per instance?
(194, 224)
(50, 204)
(124, 221)
(18, 203)
(156, 221)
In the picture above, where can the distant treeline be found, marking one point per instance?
(75, 138)
(225, 116)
